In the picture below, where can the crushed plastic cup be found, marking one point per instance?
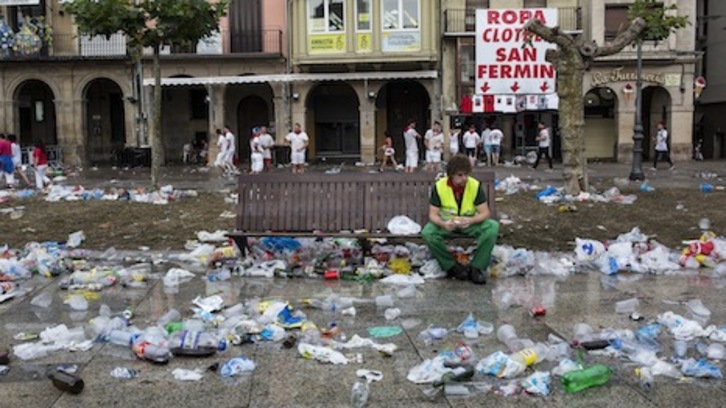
(392, 313)
(698, 312)
(627, 306)
(384, 301)
(704, 224)
(44, 299)
(485, 328)
(506, 334)
(716, 351)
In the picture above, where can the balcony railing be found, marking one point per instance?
(464, 20)
(260, 42)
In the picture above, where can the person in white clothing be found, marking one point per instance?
(231, 150)
(454, 142)
(471, 140)
(661, 146)
(298, 141)
(256, 152)
(495, 138)
(20, 168)
(543, 138)
(409, 137)
(222, 154)
(486, 140)
(267, 142)
(434, 141)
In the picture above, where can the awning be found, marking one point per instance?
(258, 79)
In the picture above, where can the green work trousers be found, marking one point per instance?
(485, 234)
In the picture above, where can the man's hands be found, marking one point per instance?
(457, 223)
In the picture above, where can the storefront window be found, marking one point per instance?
(363, 15)
(400, 14)
(326, 16)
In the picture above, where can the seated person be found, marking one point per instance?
(459, 203)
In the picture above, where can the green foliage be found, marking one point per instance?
(661, 20)
(148, 23)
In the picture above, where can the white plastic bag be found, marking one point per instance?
(402, 225)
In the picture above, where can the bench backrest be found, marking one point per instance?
(334, 202)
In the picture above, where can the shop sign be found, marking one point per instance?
(326, 43)
(620, 75)
(401, 41)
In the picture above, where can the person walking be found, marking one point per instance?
(471, 140)
(459, 203)
(661, 147)
(298, 141)
(410, 136)
(229, 156)
(543, 140)
(18, 158)
(454, 142)
(6, 161)
(256, 153)
(486, 140)
(434, 141)
(222, 154)
(495, 149)
(40, 165)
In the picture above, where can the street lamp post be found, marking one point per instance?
(636, 173)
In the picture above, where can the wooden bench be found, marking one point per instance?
(348, 204)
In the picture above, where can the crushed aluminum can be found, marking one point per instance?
(538, 311)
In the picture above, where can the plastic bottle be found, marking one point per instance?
(530, 356)
(172, 315)
(359, 394)
(194, 343)
(66, 382)
(627, 306)
(150, 352)
(507, 334)
(645, 377)
(578, 380)
(122, 337)
(309, 333)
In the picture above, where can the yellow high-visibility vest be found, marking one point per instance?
(449, 207)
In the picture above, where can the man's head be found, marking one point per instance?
(542, 125)
(227, 129)
(296, 128)
(458, 169)
(412, 124)
(437, 127)
(660, 125)
(263, 129)
(12, 138)
(472, 128)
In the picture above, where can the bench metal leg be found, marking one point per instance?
(242, 244)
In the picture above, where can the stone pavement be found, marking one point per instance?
(686, 174)
(283, 379)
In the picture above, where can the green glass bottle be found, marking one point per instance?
(174, 327)
(578, 380)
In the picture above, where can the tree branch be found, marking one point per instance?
(551, 35)
(623, 39)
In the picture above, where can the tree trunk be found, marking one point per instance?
(156, 145)
(570, 71)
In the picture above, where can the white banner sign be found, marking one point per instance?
(503, 64)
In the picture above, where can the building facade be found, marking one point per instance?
(668, 76)
(347, 70)
(710, 122)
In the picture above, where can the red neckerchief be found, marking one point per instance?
(458, 191)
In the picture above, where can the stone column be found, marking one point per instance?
(133, 124)
(367, 128)
(281, 103)
(625, 121)
(680, 133)
(216, 118)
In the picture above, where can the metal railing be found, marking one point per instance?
(267, 42)
(464, 20)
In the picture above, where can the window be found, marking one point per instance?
(363, 15)
(326, 16)
(400, 14)
(616, 17)
(468, 61)
(535, 3)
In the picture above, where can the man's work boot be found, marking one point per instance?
(478, 276)
(458, 271)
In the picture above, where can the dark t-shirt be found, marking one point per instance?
(481, 197)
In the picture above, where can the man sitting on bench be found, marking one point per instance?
(459, 203)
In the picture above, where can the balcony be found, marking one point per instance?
(261, 43)
(462, 22)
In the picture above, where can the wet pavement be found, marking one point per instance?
(283, 378)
